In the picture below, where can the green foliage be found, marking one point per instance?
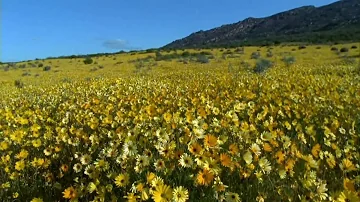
(26, 74)
(353, 47)
(88, 60)
(262, 65)
(269, 54)
(289, 60)
(344, 50)
(47, 68)
(202, 59)
(334, 49)
(255, 55)
(19, 84)
(40, 65)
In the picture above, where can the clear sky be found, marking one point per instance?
(41, 28)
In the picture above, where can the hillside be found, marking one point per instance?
(339, 21)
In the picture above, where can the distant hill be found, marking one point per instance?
(336, 22)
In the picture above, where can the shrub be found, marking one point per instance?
(302, 47)
(269, 54)
(93, 69)
(101, 67)
(26, 74)
(353, 47)
(240, 50)
(36, 75)
(344, 50)
(19, 84)
(334, 49)
(22, 66)
(88, 60)
(318, 47)
(262, 65)
(288, 60)
(255, 55)
(47, 68)
(185, 54)
(40, 65)
(202, 59)
(293, 49)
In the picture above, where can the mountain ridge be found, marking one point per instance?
(303, 24)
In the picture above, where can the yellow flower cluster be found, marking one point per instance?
(292, 134)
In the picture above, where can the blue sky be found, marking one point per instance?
(41, 28)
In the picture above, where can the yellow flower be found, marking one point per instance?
(267, 147)
(210, 141)
(22, 155)
(163, 193)
(205, 177)
(20, 165)
(248, 157)
(232, 197)
(180, 194)
(131, 197)
(150, 177)
(346, 165)
(36, 200)
(122, 180)
(36, 143)
(225, 160)
(186, 161)
(233, 149)
(167, 117)
(349, 185)
(15, 195)
(4, 145)
(195, 149)
(280, 157)
(315, 150)
(348, 196)
(70, 193)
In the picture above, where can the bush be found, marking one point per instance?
(302, 47)
(185, 54)
(19, 84)
(26, 74)
(101, 67)
(289, 60)
(293, 49)
(255, 55)
(353, 47)
(40, 65)
(318, 47)
(240, 50)
(93, 69)
(344, 50)
(202, 59)
(269, 54)
(262, 65)
(334, 49)
(47, 68)
(22, 66)
(88, 61)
